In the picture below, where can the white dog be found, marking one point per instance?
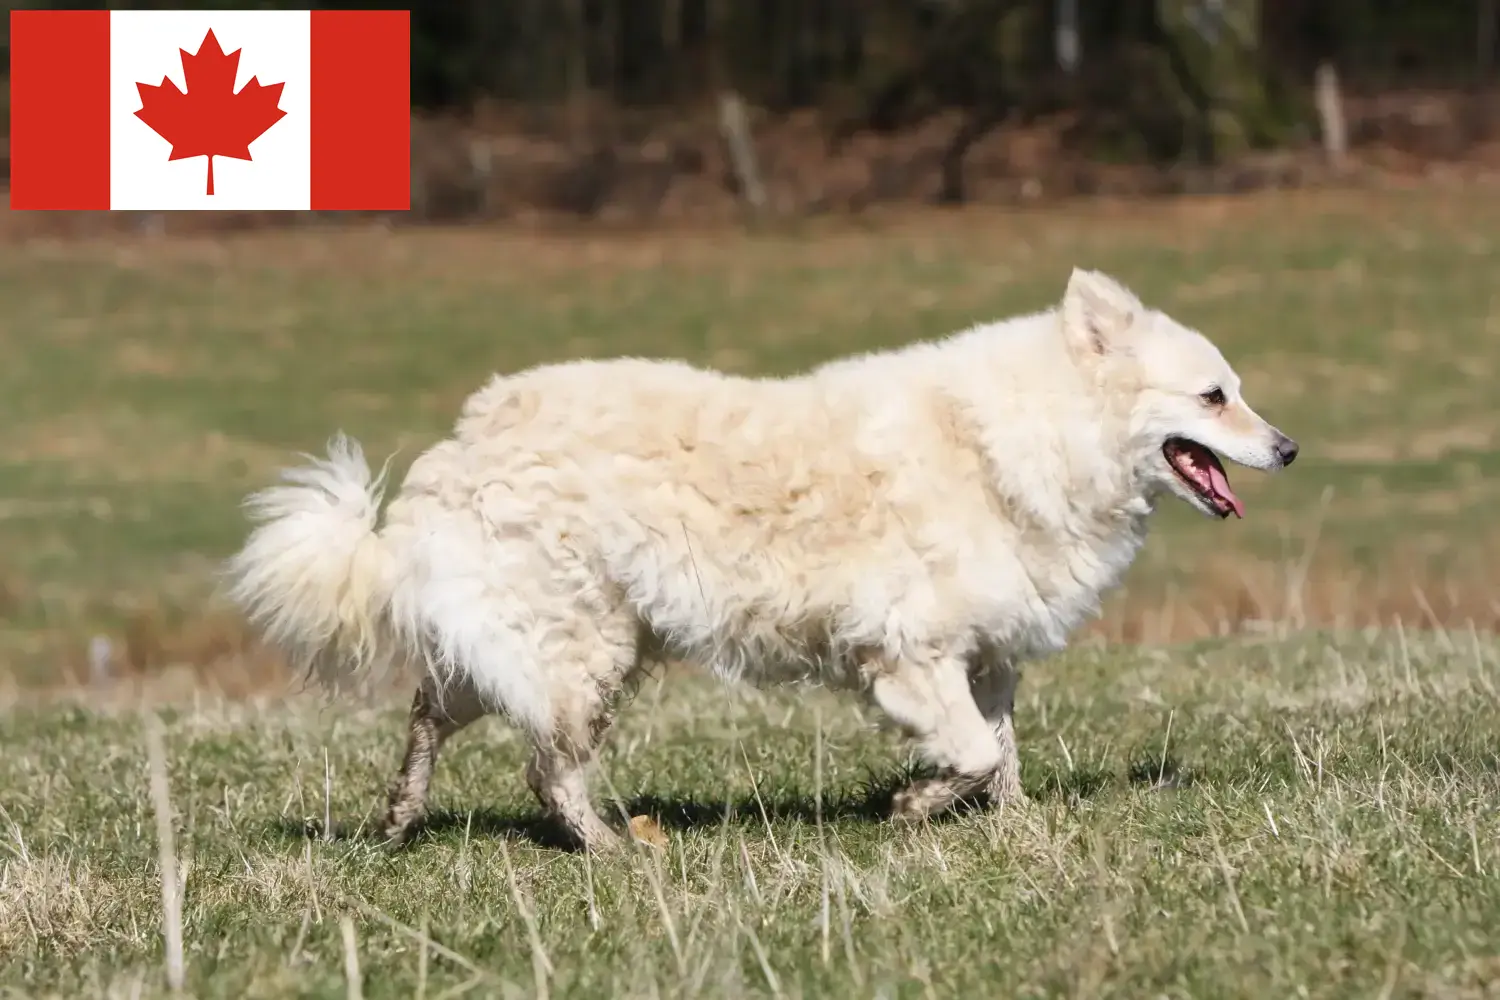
(911, 524)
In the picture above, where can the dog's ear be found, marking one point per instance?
(1096, 312)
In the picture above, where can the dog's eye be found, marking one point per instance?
(1213, 397)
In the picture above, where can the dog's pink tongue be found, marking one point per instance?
(1220, 483)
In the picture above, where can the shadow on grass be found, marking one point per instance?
(442, 824)
(1075, 784)
(1161, 773)
(868, 802)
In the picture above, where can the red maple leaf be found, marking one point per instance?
(210, 119)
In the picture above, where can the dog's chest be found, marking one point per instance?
(1065, 582)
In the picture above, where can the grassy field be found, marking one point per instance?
(1253, 819)
(1283, 784)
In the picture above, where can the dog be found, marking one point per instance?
(912, 525)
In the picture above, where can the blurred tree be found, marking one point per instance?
(1195, 78)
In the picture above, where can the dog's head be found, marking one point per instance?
(1183, 399)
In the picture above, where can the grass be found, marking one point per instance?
(1282, 785)
(1307, 817)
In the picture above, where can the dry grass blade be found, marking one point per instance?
(1228, 873)
(352, 976)
(651, 867)
(541, 964)
(422, 948)
(420, 936)
(171, 889)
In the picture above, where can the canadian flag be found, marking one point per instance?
(236, 110)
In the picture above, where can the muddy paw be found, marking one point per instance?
(919, 801)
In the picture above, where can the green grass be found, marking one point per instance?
(1326, 828)
(1327, 825)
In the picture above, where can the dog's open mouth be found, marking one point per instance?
(1201, 470)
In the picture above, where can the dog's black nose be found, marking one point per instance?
(1286, 449)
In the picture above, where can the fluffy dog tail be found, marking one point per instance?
(314, 577)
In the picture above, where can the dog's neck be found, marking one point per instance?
(1055, 450)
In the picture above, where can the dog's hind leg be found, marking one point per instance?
(434, 718)
(558, 777)
(994, 684)
(929, 696)
(596, 672)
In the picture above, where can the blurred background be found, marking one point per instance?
(763, 185)
(618, 109)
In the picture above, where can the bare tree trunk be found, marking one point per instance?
(578, 71)
(718, 56)
(1213, 48)
(1067, 41)
(610, 32)
(735, 125)
(882, 108)
(671, 24)
(671, 43)
(1330, 103)
(1489, 29)
(954, 189)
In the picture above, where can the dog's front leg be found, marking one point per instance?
(994, 680)
(928, 695)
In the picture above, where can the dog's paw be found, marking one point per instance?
(920, 800)
(398, 831)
